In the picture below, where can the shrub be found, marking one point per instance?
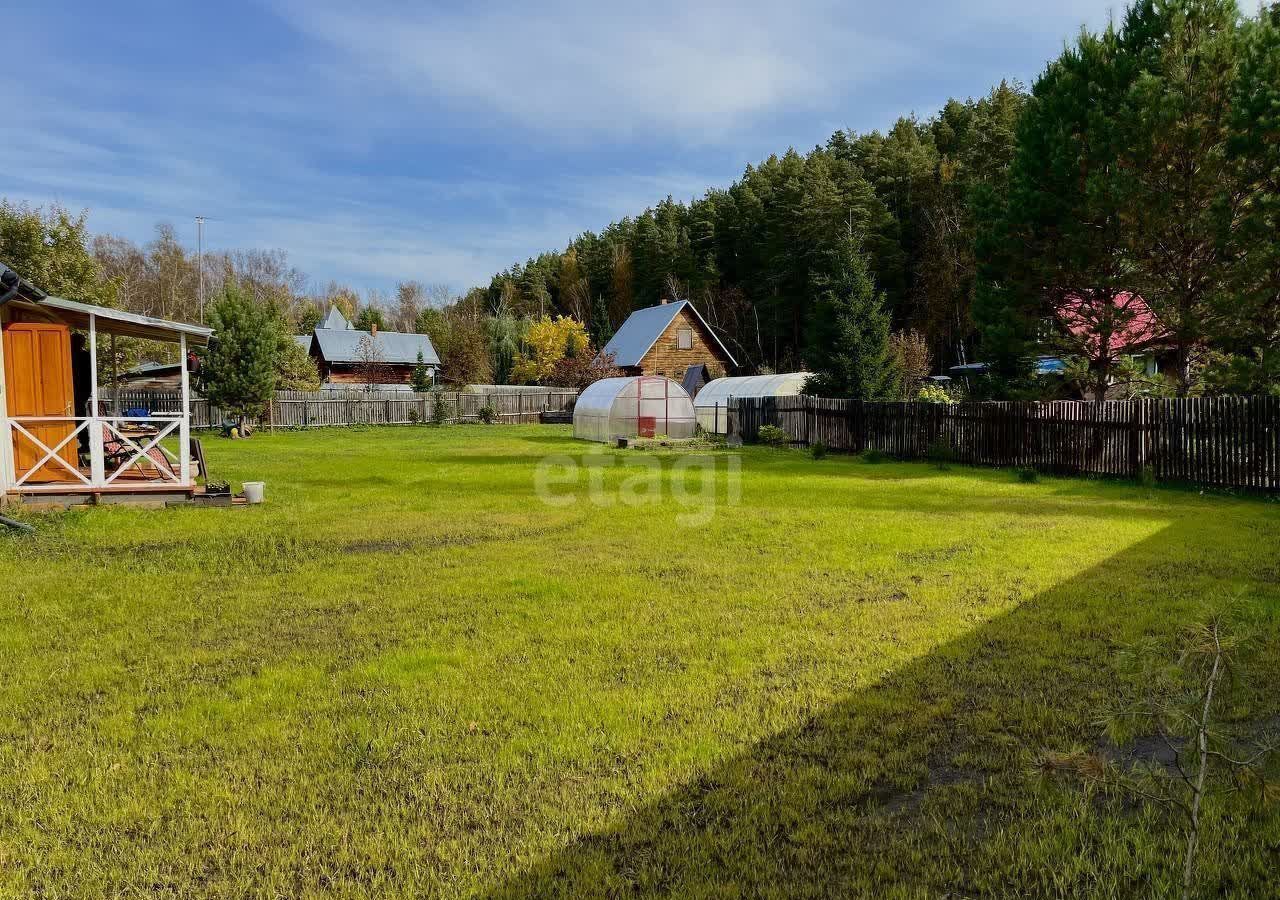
(773, 436)
(1028, 475)
(934, 393)
(414, 416)
(941, 454)
(488, 414)
(874, 456)
(1147, 477)
(818, 450)
(439, 412)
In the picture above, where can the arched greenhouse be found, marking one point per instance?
(712, 403)
(637, 406)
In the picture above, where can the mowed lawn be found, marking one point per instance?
(409, 675)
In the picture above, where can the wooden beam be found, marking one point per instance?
(184, 430)
(6, 438)
(97, 466)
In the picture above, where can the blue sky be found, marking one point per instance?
(379, 141)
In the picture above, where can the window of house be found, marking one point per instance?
(684, 339)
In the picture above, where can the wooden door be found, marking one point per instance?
(37, 376)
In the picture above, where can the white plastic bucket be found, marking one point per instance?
(254, 490)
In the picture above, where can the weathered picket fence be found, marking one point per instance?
(1229, 442)
(315, 409)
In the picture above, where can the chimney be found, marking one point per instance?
(373, 329)
(665, 301)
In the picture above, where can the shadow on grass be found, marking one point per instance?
(920, 783)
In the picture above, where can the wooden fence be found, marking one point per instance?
(1229, 442)
(315, 409)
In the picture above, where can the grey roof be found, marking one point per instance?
(150, 368)
(341, 345)
(643, 328)
(303, 341)
(117, 321)
(335, 321)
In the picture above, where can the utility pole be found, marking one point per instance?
(200, 264)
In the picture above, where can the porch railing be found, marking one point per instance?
(144, 452)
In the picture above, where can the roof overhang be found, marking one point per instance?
(24, 294)
(125, 324)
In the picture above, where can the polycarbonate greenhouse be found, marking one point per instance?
(712, 403)
(639, 406)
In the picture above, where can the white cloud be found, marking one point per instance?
(684, 73)
(378, 141)
(692, 71)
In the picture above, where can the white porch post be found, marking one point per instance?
(184, 430)
(7, 475)
(97, 466)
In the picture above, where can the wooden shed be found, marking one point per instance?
(58, 437)
(666, 340)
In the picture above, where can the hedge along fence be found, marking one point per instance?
(315, 409)
(1229, 442)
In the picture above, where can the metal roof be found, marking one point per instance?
(117, 321)
(335, 321)
(342, 345)
(643, 328)
(151, 368)
(303, 341)
(1044, 365)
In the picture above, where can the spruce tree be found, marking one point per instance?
(239, 369)
(420, 380)
(848, 334)
(1249, 313)
(601, 328)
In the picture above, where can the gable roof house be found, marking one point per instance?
(668, 339)
(343, 355)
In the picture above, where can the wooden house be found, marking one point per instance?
(668, 339)
(351, 359)
(58, 438)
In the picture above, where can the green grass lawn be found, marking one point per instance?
(406, 675)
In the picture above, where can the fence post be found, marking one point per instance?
(1135, 440)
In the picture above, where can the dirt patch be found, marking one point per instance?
(934, 555)
(893, 801)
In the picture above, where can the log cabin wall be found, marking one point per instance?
(666, 358)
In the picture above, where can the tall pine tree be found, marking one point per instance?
(1060, 247)
(848, 335)
(1187, 197)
